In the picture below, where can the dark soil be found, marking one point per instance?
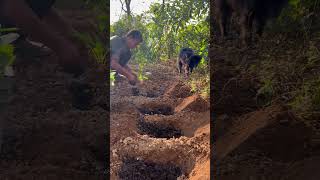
(151, 94)
(135, 92)
(158, 130)
(164, 110)
(133, 169)
(81, 94)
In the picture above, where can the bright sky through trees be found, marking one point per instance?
(137, 7)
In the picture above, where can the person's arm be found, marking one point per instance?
(128, 69)
(116, 66)
(122, 70)
(59, 23)
(18, 12)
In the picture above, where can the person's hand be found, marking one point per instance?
(133, 79)
(139, 82)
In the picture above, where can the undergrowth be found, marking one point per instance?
(200, 80)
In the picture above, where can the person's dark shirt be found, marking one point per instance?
(119, 50)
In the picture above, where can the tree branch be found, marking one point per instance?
(122, 6)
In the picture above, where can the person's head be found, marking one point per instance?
(134, 38)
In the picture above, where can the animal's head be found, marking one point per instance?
(185, 59)
(185, 65)
(186, 70)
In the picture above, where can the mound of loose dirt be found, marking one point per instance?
(270, 130)
(193, 103)
(178, 90)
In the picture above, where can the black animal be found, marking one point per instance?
(187, 61)
(250, 12)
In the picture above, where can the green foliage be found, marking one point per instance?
(199, 83)
(312, 56)
(266, 92)
(101, 9)
(288, 63)
(112, 78)
(6, 56)
(97, 46)
(167, 28)
(299, 16)
(98, 5)
(99, 52)
(307, 98)
(96, 49)
(179, 24)
(8, 30)
(141, 75)
(85, 39)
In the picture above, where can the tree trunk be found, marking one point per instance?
(127, 9)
